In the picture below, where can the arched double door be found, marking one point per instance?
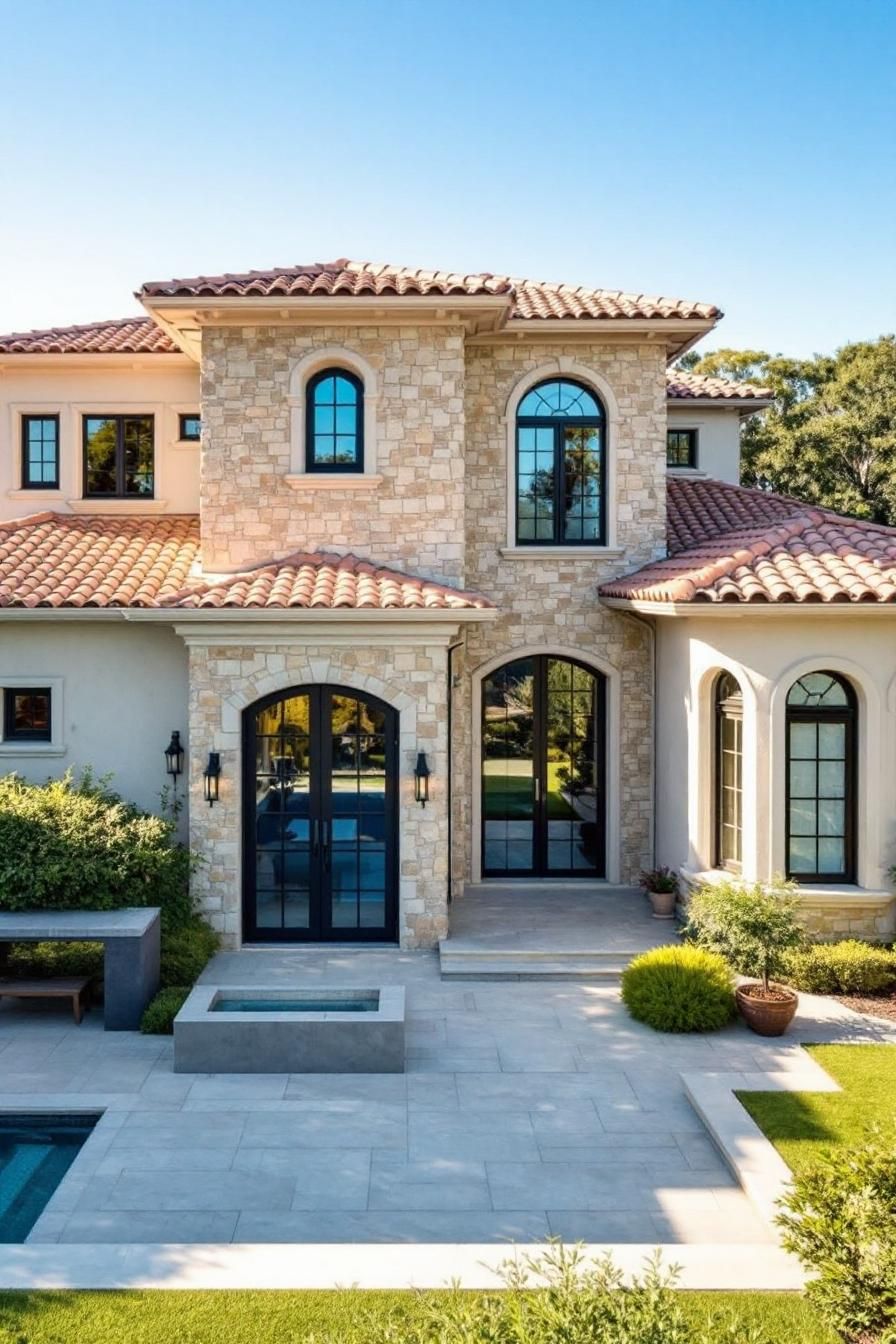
(320, 817)
(543, 769)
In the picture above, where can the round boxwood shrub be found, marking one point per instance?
(848, 967)
(679, 989)
(186, 951)
(158, 1017)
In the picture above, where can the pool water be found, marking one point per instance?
(359, 1005)
(35, 1153)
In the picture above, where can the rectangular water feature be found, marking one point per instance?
(250, 1030)
(35, 1153)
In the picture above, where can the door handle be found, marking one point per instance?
(325, 832)
(315, 837)
(537, 789)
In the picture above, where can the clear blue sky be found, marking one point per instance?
(740, 151)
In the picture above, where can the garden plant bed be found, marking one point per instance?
(873, 1005)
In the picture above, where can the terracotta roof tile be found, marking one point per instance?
(729, 544)
(61, 560)
(121, 336)
(528, 298)
(683, 386)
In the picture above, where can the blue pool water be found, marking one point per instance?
(35, 1153)
(359, 1005)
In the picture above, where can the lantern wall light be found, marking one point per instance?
(421, 779)
(211, 777)
(174, 756)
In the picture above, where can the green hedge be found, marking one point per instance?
(850, 967)
(158, 1017)
(679, 989)
(186, 952)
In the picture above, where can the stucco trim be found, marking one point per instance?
(301, 371)
(702, 767)
(613, 738)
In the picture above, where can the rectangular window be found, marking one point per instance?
(681, 447)
(190, 427)
(40, 452)
(26, 714)
(118, 456)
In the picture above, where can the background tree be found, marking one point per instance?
(830, 436)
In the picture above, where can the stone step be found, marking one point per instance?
(459, 962)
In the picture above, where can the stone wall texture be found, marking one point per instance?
(225, 678)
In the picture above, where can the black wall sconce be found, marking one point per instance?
(421, 779)
(211, 776)
(174, 756)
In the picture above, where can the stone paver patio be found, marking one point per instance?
(527, 1109)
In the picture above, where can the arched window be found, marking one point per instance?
(560, 466)
(334, 428)
(729, 712)
(821, 795)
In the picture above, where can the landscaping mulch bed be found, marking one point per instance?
(874, 1005)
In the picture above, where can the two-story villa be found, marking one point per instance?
(439, 578)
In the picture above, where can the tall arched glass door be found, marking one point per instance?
(319, 799)
(543, 768)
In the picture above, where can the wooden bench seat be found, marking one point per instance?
(74, 989)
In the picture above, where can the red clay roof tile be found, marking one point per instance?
(684, 386)
(120, 336)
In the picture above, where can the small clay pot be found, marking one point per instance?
(663, 904)
(767, 1015)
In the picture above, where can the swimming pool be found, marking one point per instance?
(35, 1153)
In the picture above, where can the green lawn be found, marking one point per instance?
(802, 1124)
(291, 1317)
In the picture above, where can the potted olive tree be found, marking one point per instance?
(754, 926)
(661, 885)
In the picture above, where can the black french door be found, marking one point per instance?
(320, 817)
(543, 769)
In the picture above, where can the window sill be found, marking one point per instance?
(23, 749)
(560, 552)
(114, 506)
(313, 480)
(690, 472)
(39, 492)
(842, 894)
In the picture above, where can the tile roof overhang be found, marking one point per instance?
(699, 389)
(730, 547)
(64, 562)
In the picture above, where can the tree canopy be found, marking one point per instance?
(830, 436)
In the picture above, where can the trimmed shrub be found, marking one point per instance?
(850, 967)
(840, 1219)
(45, 960)
(186, 951)
(754, 926)
(679, 989)
(75, 845)
(158, 1017)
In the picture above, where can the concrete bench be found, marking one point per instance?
(75, 989)
(131, 941)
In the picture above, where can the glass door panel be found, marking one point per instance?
(509, 779)
(282, 831)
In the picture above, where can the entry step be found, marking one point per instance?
(460, 962)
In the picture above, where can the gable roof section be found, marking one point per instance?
(732, 545)
(61, 560)
(528, 299)
(684, 386)
(120, 336)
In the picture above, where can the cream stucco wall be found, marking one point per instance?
(718, 438)
(159, 385)
(118, 691)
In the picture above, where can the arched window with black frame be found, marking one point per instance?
(821, 768)
(334, 426)
(729, 764)
(560, 466)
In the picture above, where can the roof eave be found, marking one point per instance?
(765, 610)
(743, 405)
(98, 359)
(676, 333)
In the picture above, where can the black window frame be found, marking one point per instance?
(847, 714)
(692, 436)
(355, 468)
(28, 484)
(13, 734)
(119, 417)
(182, 435)
(559, 423)
(727, 707)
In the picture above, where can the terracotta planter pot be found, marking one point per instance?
(663, 904)
(766, 1016)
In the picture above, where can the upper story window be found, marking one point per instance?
(334, 432)
(118, 456)
(729, 765)
(821, 764)
(189, 428)
(681, 447)
(40, 452)
(26, 714)
(560, 466)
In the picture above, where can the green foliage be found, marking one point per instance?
(753, 926)
(186, 952)
(830, 436)
(659, 879)
(849, 967)
(46, 960)
(840, 1219)
(159, 1014)
(679, 989)
(74, 844)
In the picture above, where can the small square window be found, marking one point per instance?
(40, 452)
(27, 714)
(190, 428)
(681, 448)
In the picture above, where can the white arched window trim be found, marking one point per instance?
(566, 367)
(331, 356)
